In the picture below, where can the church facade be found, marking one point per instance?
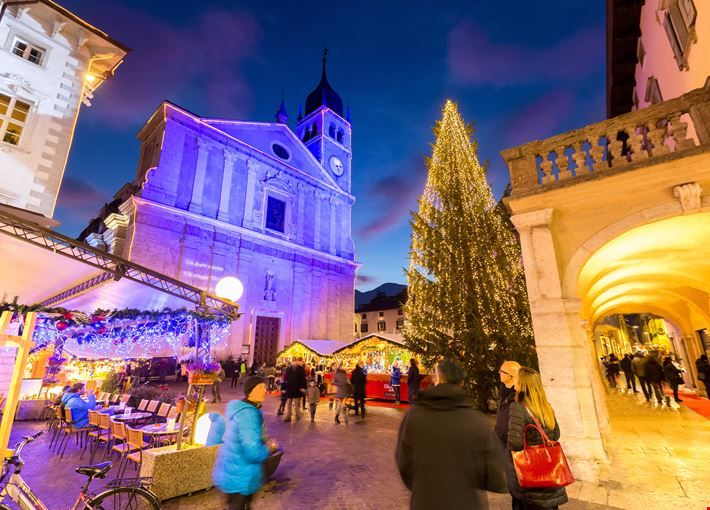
(259, 201)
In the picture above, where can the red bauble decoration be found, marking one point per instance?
(69, 316)
(98, 318)
(61, 325)
(101, 330)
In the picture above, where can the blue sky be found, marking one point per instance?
(519, 73)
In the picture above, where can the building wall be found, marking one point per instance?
(32, 170)
(659, 61)
(375, 319)
(200, 216)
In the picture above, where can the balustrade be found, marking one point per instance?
(643, 135)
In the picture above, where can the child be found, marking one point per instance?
(284, 397)
(313, 394)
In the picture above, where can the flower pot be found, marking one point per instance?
(201, 378)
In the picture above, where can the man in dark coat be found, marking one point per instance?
(654, 376)
(358, 379)
(507, 373)
(413, 380)
(446, 453)
(628, 372)
(295, 387)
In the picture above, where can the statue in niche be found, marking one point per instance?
(269, 287)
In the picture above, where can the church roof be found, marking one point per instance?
(324, 95)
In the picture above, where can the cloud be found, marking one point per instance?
(541, 118)
(474, 59)
(394, 196)
(364, 279)
(79, 199)
(173, 62)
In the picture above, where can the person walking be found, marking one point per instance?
(242, 372)
(625, 365)
(673, 375)
(295, 388)
(531, 404)
(638, 365)
(413, 380)
(612, 370)
(340, 381)
(313, 394)
(216, 385)
(235, 372)
(239, 471)
(654, 376)
(358, 378)
(507, 373)
(446, 453)
(395, 381)
(284, 396)
(703, 367)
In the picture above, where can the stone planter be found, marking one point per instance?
(176, 473)
(30, 409)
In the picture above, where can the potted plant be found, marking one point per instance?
(202, 372)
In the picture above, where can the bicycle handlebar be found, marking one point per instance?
(26, 440)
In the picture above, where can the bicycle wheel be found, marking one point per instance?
(125, 498)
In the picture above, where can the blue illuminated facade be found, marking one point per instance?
(256, 200)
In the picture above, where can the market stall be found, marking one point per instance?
(313, 352)
(378, 353)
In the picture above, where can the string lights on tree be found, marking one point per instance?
(467, 296)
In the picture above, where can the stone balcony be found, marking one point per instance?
(668, 130)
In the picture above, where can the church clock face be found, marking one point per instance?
(336, 166)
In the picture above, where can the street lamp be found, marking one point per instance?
(230, 288)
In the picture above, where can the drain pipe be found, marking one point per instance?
(5, 5)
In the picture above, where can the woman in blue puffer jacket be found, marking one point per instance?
(239, 471)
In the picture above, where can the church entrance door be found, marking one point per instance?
(266, 340)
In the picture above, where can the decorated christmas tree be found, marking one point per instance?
(467, 296)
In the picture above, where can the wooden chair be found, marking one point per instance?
(164, 410)
(153, 406)
(56, 426)
(136, 445)
(71, 430)
(104, 435)
(125, 398)
(143, 405)
(120, 442)
(92, 437)
(173, 413)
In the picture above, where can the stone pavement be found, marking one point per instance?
(325, 465)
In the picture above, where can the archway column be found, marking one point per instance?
(564, 348)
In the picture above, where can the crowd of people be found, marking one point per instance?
(652, 372)
(446, 452)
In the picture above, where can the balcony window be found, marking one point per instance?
(363, 327)
(27, 51)
(381, 326)
(13, 118)
(400, 324)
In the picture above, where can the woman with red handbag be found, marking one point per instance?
(530, 414)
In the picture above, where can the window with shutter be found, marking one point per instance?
(679, 24)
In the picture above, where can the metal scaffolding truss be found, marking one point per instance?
(114, 266)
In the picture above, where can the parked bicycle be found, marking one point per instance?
(122, 494)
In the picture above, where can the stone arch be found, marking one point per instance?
(610, 232)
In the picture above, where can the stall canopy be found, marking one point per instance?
(318, 351)
(40, 266)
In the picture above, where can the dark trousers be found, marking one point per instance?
(519, 504)
(313, 411)
(645, 387)
(235, 378)
(282, 406)
(674, 387)
(303, 399)
(239, 501)
(412, 393)
(630, 380)
(359, 405)
(396, 393)
(658, 390)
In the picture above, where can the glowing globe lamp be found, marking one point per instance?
(230, 288)
(202, 429)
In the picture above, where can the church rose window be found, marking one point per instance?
(281, 151)
(275, 214)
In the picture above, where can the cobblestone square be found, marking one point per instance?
(325, 465)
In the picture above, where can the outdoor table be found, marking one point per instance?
(132, 416)
(160, 432)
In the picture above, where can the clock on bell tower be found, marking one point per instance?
(326, 133)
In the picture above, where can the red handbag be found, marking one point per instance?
(541, 466)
